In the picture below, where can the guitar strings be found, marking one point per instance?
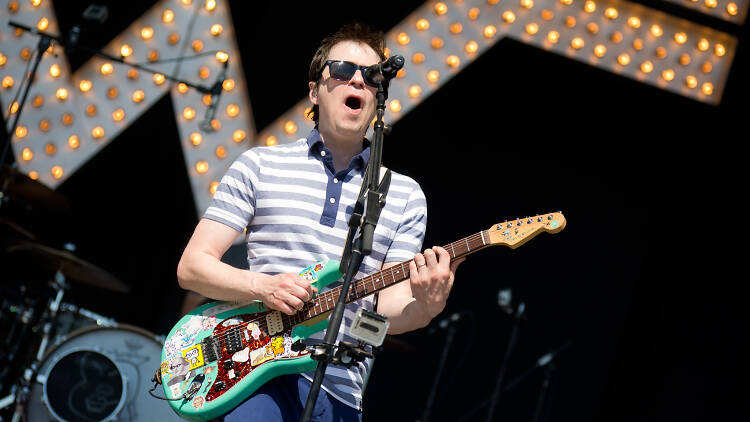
(287, 320)
(291, 320)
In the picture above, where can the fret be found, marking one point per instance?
(453, 251)
(482, 233)
(467, 245)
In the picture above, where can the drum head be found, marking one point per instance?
(84, 385)
(134, 352)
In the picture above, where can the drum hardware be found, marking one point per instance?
(82, 358)
(23, 388)
(9, 228)
(19, 325)
(99, 320)
(16, 187)
(127, 355)
(71, 266)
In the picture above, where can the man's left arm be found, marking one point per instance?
(413, 304)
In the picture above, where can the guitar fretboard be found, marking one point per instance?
(325, 302)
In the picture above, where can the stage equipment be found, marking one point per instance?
(362, 222)
(18, 189)
(72, 267)
(518, 314)
(215, 93)
(102, 98)
(546, 361)
(369, 327)
(99, 373)
(448, 324)
(231, 349)
(439, 38)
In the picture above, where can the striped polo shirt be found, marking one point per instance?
(296, 210)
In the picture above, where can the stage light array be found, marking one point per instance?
(441, 38)
(78, 114)
(734, 11)
(69, 117)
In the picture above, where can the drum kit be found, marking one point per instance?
(59, 361)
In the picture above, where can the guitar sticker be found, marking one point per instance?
(194, 355)
(254, 330)
(309, 273)
(242, 356)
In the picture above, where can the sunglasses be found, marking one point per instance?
(343, 71)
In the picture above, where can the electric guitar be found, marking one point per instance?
(220, 353)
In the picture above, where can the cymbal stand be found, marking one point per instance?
(100, 320)
(48, 320)
(18, 328)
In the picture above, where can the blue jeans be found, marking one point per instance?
(283, 400)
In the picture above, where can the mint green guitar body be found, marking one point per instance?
(227, 350)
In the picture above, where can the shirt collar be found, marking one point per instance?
(316, 144)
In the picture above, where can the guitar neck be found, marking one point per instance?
(372, 283)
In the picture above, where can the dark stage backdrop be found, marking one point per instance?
(650, 184)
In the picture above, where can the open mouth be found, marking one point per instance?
(353, 103)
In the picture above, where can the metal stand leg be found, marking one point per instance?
(436, 382)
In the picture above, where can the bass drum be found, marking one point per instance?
(100, 374)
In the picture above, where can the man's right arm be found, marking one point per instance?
(201, 270)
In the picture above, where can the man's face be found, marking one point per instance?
(346, 108)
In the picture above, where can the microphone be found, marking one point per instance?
(215, 92)
(546, 358)
(384, 71)
(449, 320)
(505, 300)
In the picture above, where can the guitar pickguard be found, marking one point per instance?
(258, 348)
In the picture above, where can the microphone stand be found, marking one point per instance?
(511, 346)
(438, 374)
(355, 249)
(42, 46)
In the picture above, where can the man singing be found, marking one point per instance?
(295, 201)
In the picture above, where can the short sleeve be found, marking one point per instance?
(410, 233)
(233, 203)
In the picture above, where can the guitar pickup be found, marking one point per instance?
(233, 340)
(274, 322)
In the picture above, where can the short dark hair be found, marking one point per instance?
(356, 32)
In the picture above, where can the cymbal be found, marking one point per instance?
(18, 187)
(10, 229)
(71, 266)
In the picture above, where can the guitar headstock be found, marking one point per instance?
(515, 233)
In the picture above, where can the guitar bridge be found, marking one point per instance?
(210, 351)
